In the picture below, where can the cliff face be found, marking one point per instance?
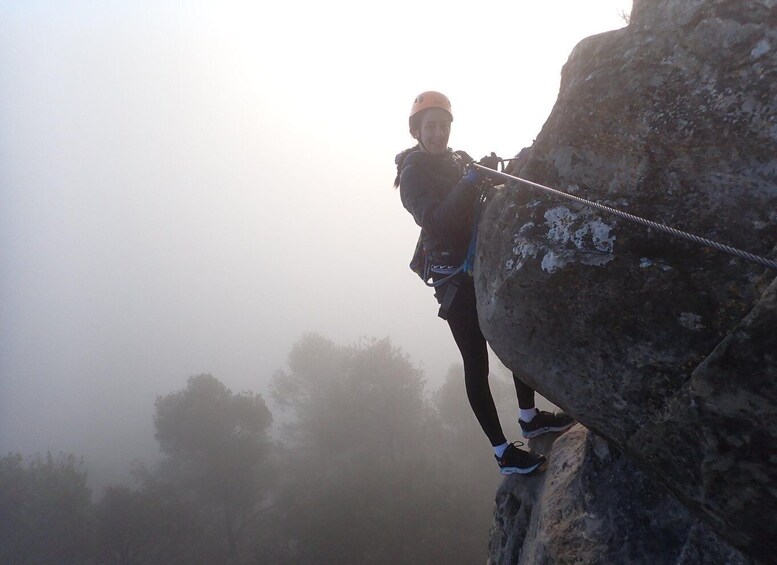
(593, 506)
(665, 348)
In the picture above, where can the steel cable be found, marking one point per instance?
(763, 261)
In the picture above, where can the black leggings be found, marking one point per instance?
(462, 318)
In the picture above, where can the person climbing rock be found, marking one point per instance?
(440, 191)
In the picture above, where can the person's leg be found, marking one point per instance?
(535, 422)
(463, 322)
(525, 394)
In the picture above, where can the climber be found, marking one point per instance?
(439, 191)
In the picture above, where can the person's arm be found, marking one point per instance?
(437, 217)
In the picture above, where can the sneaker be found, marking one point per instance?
(517, 460)
(545, 422)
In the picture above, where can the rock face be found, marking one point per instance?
(592, 506)
(665, 348)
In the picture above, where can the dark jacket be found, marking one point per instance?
(441, 202)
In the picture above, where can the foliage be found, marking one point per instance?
(344, 396)
(150, 525)
(217, 449)
(45, 510)
(374, 471)
(371, 476)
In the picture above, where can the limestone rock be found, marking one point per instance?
(592, 506)
(655, 343)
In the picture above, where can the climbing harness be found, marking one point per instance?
(763, 261)
(469, 261)
(449, 274)
(451, 281)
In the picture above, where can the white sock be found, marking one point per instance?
(499, 450)
(527, 414)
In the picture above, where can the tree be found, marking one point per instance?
(150, 525)
(45, 510)
(217, 453)
(343, 396)
(364, 480)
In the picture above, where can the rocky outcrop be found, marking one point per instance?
(592, 506)
(665, 348)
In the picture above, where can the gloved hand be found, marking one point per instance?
(473, 176)
(490, 161)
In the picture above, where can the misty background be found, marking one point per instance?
(188, 187)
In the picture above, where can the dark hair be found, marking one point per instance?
(415, 120)
(400, 161)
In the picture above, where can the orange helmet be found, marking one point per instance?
(429, 99)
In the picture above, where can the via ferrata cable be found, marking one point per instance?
(763, 261)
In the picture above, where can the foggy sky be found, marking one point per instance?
(188, 187)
